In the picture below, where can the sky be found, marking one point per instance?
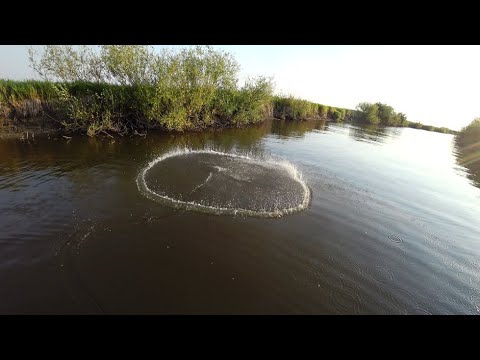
(436, 85)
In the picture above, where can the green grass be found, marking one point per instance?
(92, 108)
(24, 99)
(291, 108)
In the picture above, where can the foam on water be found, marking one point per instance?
(221, 210)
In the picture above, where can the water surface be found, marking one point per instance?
(391, 226)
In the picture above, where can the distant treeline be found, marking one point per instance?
(382, 114)
(125, 88)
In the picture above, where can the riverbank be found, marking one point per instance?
(28, 128)
(468, 149)
(104, 109)
(131, 89)
(125, 89)
(80, 108)
(44, 126)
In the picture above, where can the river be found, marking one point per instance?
(387, 223)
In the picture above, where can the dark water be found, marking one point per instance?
(392, 226)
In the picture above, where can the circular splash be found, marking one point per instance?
(224, 184)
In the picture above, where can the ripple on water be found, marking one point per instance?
(432, 237)
(346, 300)
(407, 303)
(224, 183)
(395, 238)
(380, 274)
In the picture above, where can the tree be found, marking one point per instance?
(386, 113)
(368, 113)
(401, 119)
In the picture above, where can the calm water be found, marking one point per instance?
(392, 226)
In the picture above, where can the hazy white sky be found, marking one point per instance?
(438, 85)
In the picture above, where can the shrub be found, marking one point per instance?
(120, 87)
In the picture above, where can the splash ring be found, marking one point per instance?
(276, 202)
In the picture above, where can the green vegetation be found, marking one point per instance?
(291, 108)
(382, 114)
(379, 113)
(469, 136)
(25, 99)
(468, 145)
(125, 88)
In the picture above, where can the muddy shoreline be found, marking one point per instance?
(44, 126)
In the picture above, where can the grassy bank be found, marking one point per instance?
(290, 108)
(469, 136)
(128, 89)
(468, 146)
(93, 108)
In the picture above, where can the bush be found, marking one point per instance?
(125, 87)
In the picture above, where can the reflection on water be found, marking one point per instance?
(392, 226)
(373, 133)
(297, 128)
